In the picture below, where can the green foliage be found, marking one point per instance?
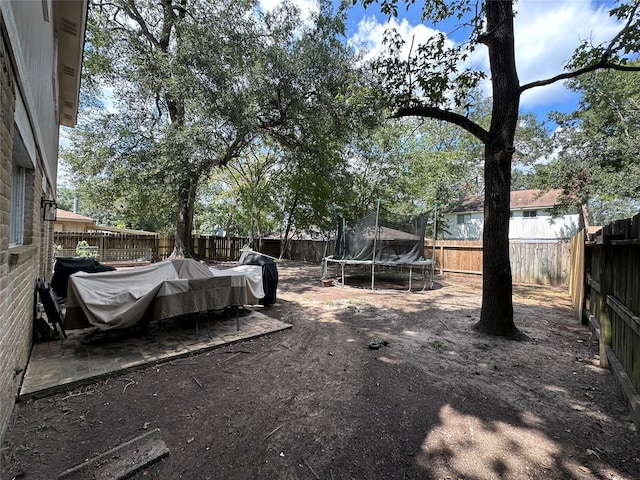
(239, 197)
(598, 147)
(198, 85)
(117, 175)
(64, 198)
(432, 70)
(84, 250)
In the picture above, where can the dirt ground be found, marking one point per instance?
(438, 401)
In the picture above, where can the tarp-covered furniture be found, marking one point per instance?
(381, 239)
(269, 274)
(67, 266)
(122, 298)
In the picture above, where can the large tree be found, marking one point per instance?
(430, 81)
(196, 83)
(160, 138)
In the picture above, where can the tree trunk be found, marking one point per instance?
(260, 237)
(184, 241)
(496, 315)
(584, 215)
(285, 241)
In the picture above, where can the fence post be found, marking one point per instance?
(605, 290)
(101, 248)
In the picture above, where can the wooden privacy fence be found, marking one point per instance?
(605, 289)
(206, 247)
(127, 247)
(538, 263)
(107, 247)
(543, 263)
(305, 250)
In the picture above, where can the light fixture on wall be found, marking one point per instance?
(49, 210)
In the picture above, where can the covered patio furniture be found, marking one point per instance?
(64, 267)
(122, 298)
(269, 273)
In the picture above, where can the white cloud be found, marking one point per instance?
(547, 33)
(371, 32)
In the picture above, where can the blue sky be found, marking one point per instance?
(547, 32)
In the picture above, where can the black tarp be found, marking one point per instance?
(67, 266)
(51, 306)
(269, 274)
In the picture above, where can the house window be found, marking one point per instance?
(464, 218)
(17, 207)
(530, 213)
(20, 215)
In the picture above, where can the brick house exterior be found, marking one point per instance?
(41, 47)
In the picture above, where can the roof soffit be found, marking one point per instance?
(70, 22)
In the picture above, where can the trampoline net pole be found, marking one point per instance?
(433, 246)
(373, 257)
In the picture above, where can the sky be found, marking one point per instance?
(546, 34)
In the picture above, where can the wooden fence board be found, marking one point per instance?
(612, 295)
(577, 276)
(539, 263)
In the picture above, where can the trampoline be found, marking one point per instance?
(383, 240)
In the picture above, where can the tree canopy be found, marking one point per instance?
(197, 84)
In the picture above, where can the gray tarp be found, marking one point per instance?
(167, 289)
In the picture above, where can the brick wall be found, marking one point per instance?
(19, 266)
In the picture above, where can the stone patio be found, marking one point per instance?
(61, 365)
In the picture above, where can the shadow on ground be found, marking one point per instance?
(438, 401)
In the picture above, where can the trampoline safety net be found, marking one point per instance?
(383, 237)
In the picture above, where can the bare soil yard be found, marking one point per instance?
(438, 401)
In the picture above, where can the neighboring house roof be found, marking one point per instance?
(520, 200)
(108, 230)
(296, 235)
(66, 216)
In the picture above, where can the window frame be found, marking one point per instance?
(21, 197)
(17, 206)
(463, 219)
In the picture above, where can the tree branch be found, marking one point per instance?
(580, 71)
(607, 54)
(604, 63)
(133, 13)
(445, 115)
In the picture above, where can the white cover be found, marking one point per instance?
(120, 299)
